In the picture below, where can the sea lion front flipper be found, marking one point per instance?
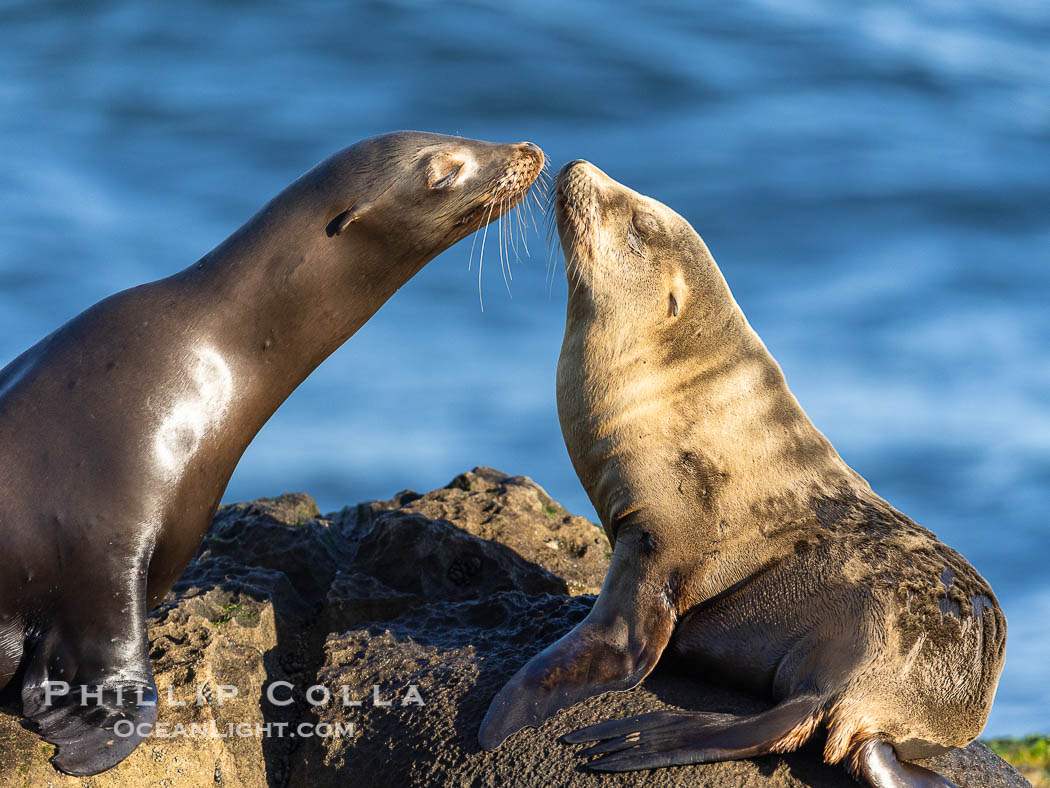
(88, 686)
(669, 738)
(95, 722)
(612, 649)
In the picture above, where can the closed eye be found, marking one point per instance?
(448, 179)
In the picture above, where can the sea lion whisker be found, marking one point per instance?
(543, 201)
(532, 219)
(503, 251)
(509, 240)
(481, 258)
(554, 251)
(508, 246)
(576, 267)
(481, 223)
(516, 226)
(532, 209)
(515, 232)
(553, 248)
(551, 271)
(550, 234)
(512, 239)
(523, 226)
(529, 213)
(545, 177)
(514, 229)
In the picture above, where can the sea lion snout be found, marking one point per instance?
(528, 163)
(578, 172)
(532, 148)
(569, 165)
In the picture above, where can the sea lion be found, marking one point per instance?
(121, 429)
(740, 536)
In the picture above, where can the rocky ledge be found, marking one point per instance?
(406, 616)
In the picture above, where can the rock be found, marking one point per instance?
(355, 597)
(286, 534)
(516, 512)
(415, 610)
(435, 560)
(457, 656)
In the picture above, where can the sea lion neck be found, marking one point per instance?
(284, 296)
(658, 426)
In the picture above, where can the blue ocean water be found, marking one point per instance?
(873, 178)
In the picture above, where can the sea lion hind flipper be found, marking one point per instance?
(877, 765)
(669, 738)
(97, 718)
(604, 653)
(653, 720)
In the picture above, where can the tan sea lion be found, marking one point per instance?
(740, 536)
(120, 430)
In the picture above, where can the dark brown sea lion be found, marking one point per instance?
(119, 431)
(740, 536)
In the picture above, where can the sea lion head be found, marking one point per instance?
(632, 261)
(423, 191)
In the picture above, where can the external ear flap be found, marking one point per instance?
(346, 218)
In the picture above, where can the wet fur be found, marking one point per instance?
(121, 429)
